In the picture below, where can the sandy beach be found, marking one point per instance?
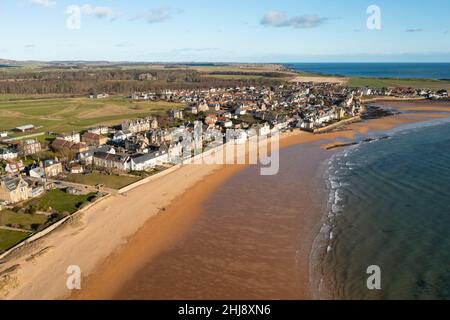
(121, 235)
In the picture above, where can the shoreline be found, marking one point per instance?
(286, 142)
(108, 223)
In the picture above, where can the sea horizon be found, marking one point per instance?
(395, 70)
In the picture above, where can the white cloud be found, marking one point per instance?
(157, 15)
(281, 19)
(44, 3)
(99, 12)
(413, 30)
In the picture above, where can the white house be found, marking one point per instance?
(121, 135)
(38, 173)
(8, 154)
(263, 130)
(72, 137)
(240, 136)
(148, 161)
(366, 92)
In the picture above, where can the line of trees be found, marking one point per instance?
(112, 81)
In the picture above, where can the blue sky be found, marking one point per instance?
(226, 31)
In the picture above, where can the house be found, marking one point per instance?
(226, 123)
(52, 168)
(25, 128)
(142, 162)
(121, 135)
(176, 114)
(241, 110)
(99, 96)
(214, 107)
(93, 139)
(72, 137)
(14, 167)
(202, 107)
(197, 108)
(29, 147)
(238, 136)
(192, 109)
(77, 169)
(14, 189)
(87, 157)
(8, 154)
(36, 187)
(63, 145)
(175, 151)
(211, 120)
(262, 129)
(99, 130)
(140, 125)
(147, 76)
(120, 162)
(366, 91)
(37, 173)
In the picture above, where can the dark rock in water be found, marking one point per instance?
(342, 145)
(376, 112)
(376, 139)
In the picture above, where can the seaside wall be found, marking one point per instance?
(148, 179)
(51, 228)
(337, 125)
(380, 99)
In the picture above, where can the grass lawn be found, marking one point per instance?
(413, 83)
(109, 181)
(63, 115)
(59, 201)
(9, 238)
(25, 221)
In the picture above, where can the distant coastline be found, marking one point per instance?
(434, 71)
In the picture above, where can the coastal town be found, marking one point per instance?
(46, 177)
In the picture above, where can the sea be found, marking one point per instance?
(389, 207)
(437, 71)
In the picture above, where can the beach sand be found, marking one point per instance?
(320, 79)
(120, 237)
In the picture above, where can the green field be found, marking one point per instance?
(21, 220)
(60, 201)
(9, 238)
(386, 83)
(61, 115)
(109, 181)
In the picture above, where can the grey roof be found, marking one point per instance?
(112, 157)
(142, 158)
(11, 183)
(25, 127)
(6, 151)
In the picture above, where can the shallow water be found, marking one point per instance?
(389, 206)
